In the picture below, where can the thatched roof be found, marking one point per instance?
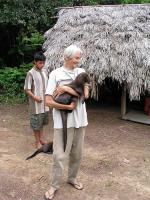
(115, 41)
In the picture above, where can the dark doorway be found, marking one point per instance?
(135, 104)
(110, 92)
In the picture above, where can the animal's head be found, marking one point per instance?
(82, 78)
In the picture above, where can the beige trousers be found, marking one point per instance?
(73, 154)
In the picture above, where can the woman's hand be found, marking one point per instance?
(62, 89)
(72, 106)
(86, 90)
(59, 90)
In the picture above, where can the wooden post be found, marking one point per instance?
(123, 100)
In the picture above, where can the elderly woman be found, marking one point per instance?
(76, 122)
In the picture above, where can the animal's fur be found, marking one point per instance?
(66, 98)
(46, 148)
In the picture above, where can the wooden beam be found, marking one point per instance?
(123, 100)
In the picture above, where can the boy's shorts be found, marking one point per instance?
(37, 121)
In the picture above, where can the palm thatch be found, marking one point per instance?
(115, 41)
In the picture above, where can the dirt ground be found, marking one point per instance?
(115, 166)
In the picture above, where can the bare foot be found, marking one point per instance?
(42, 142)
(38, 145)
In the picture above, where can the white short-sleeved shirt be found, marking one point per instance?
(78, 117)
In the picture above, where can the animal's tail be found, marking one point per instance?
(64, 115)
(34, 154)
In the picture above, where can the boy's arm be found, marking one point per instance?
(28, 86)
(35, 98)
(52, 104)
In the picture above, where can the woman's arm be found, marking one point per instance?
(62, 89)
(86, 90)
(52, 104)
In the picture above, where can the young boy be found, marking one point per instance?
(35, 85)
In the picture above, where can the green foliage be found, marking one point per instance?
(12, 82)
(21, 19)
(28, 14)
(27, 47)
(145, 1)
(31, 44)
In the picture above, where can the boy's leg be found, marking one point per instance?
(44, 121)
(42, 137)
(37, 138)
(35, 125)
(76, 154)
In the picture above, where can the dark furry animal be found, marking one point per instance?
(46, 148)
(66, 98)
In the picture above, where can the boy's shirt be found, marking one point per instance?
(78, 117)
(36, 81)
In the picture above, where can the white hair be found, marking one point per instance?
(71, 51)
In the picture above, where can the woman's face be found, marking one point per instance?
(73, 62)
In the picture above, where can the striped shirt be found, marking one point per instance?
(36, 81)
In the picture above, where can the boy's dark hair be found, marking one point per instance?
(39, 56)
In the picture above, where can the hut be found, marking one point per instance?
(116, 45)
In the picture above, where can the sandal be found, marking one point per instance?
(76, 185)
(49, 194)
